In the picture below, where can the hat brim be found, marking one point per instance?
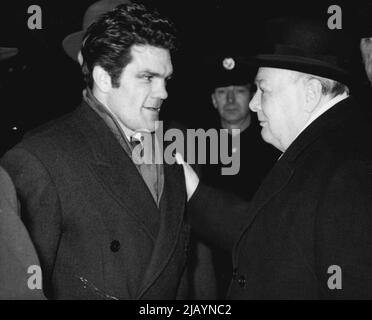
(224, 79)
(72, 44)
(217, 76)
(7, 53)
(305, 65)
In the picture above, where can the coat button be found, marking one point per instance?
(241, 282)
(115, 246)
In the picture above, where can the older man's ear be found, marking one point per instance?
(313, 94)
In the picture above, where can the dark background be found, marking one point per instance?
(42, 82)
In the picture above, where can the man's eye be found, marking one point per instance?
(148, 77)
(263, 90)
(220, 92)
(253, 88)
(259, 90)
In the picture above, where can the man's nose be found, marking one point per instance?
(230, 96)
(254, 104)
(161, 92)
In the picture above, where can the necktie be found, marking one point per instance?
(136, 140)
(148, 170)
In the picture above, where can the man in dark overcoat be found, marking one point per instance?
(306, 234)
(104, 224)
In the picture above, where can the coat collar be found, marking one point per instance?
(339, 113)
(283, 170)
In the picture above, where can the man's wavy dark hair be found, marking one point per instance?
(108, 41)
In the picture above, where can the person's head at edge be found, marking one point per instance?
(363, 29)
(126, 62)
(366, 52)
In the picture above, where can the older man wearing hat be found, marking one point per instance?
(306, 234)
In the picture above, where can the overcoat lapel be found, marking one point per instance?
(276, 180)
(117, 173)
(172, 207)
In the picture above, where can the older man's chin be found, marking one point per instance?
(268, 138)
(265, 135)
(150, 123)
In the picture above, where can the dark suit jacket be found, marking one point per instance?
(17, 254)
(94, 223)
(312, 211)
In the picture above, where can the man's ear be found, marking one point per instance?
(313, 94)
(101, 79)
(213, 96)
(80, 58)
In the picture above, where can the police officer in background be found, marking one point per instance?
(230, 81)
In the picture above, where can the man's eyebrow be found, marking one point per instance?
(149, 72)
(260, 82)
(153, 74)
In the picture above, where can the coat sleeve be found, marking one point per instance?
(40, 206)
(216, 216)
(343, 234)
(17, 253)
